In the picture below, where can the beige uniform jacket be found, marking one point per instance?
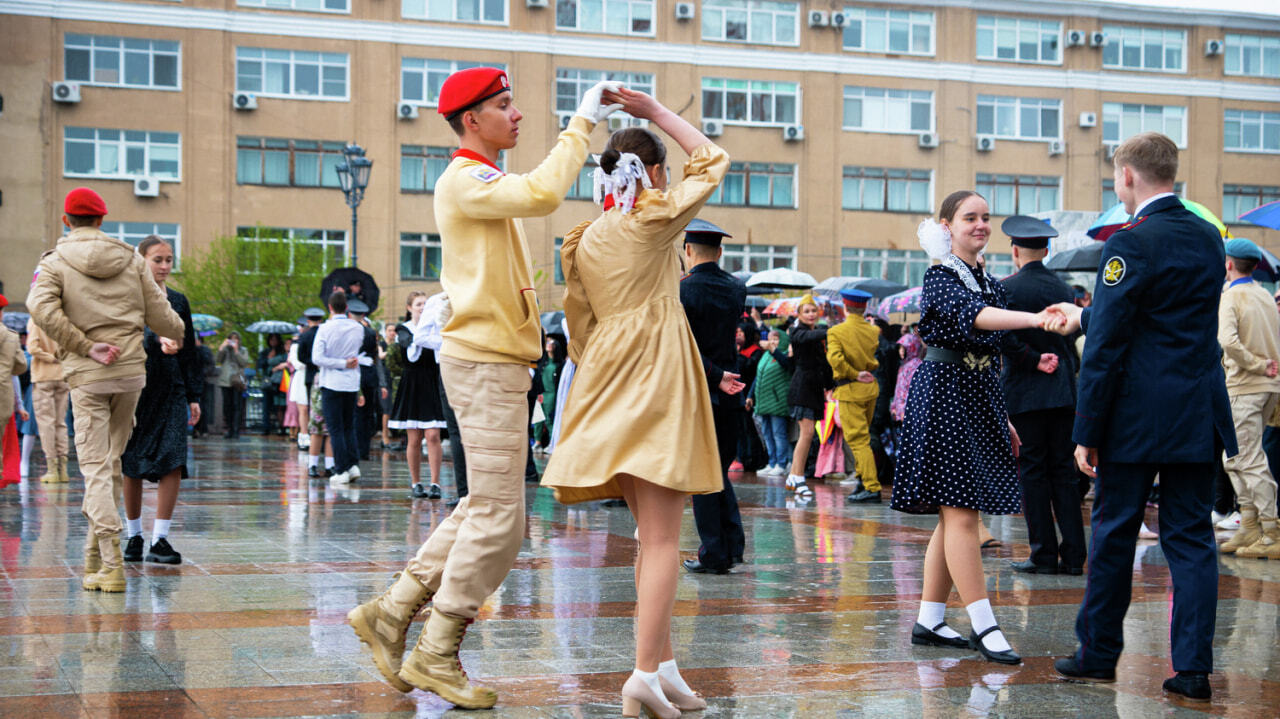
(1249, 332)
(13, 363)
(45, 366)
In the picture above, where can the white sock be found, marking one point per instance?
(160, 529)
(313, 460)
(982, 618)
(328, 462)
(651, 678)
(931, 615)
(28, 442)
(135, 527)
(668, 670)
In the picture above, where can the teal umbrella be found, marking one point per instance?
(206, 323)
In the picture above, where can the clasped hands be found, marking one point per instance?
(1063, 318)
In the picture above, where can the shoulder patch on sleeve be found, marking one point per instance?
(485, 174)
(1113, 271)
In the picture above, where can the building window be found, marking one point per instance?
(122, 61)
(750, 102)
(757, 258)
(420, 78)
(757, 184)
(295, 74)
(1120, 121)
(1019, 194)
(584, 187)
(481, 11)
(419, 256)
(557, 274)
(313, 5)
(317, 250)
(135, 232)
(900, 32)
(121, 154)
(1018, 39)
(1144, 48)
(289, 163)
(1251, 130)
(1251, 55)
(876, 109)
(421, 166)
(754, 21)
(902, 266)
(572, 83)
(1020, 118)
(625, 17)
(1109, 198)
(878, 189)
(1239, 199)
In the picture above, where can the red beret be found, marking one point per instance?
(83, 201)
(4, 301)
(467, 87)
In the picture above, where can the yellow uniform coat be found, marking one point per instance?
(851, 348)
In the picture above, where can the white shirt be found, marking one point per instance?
(1137, 211)
(426, 335)
(338, 340)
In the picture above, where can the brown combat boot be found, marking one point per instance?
(1246, 535)
(1267, 543)
(434, 665)
(109, 578)
(92, 557)
(383, 622)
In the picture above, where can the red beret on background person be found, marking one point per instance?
(84, 202)
(470, 87)
(4, 301)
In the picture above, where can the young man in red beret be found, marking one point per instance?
(94, 296)
(490, 341)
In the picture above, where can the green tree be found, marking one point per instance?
(243, 280)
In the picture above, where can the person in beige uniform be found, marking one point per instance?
(49, 393)
(491, 340)
(1249, 332)
(93, 295)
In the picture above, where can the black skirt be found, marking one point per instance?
(417, 402)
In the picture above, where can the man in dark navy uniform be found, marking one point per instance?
(1153, 399)
(1039, 378)
(713, 301)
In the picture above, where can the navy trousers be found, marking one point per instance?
(1186, 536)
(339, 409)
(716, 515)
(1047, 474)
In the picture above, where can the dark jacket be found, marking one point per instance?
(812, 376)
(1151, 382)
(713, 301)
(1026, 388)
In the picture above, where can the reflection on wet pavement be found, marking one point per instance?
(815, 624)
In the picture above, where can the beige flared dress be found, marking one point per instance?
(639, 403)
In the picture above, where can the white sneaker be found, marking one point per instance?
(304, 441)
(795, 481)
(1229, 522)
(354, 472)
(340, 479)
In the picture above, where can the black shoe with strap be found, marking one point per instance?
(133, 550)
(930, 638)
(162, 553)
(1005, 657)
(1190, 685)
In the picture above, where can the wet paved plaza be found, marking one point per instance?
(815, 624)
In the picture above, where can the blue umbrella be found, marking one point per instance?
(1267, 215)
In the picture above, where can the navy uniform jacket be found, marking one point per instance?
(713, 301)
(306, 341)
(1152, 388)
(1026, 388)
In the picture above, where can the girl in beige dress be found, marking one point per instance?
(637, 422)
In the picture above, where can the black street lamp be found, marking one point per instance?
(353, 177)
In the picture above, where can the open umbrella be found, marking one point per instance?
(1116, 217)
(1268, 269)
(1079, 259)
(552, 321)
(267, 327)
(16, 321)
(880, 287)
(1267, 215)
(831, 286)
(902, 308)
(781, 278)
(356, 282)
(757, 301)
(205, 323)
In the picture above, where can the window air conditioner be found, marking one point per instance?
(793, 133)
(1212, 48)
(244, 101)
(66, 92)
(535, 3)
(818, 18)
(928, 139)
(407, 111)
(986, 143)
(1075, 38)
(146, 187)
(1056, 147)
(839, 19)
(712, 128)
(564, 118)
(1088, 119)
(684, 11)
(1097, 39)
(1111, 148)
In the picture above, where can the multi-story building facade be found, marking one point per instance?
(847, 122)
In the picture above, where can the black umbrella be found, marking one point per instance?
(16, 321)
(757, 301)
(879, 288)
(1079, 259)
(553, 322)
(1268, 270)
(744, 275)
(356, 282)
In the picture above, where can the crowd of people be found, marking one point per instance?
(658, 387)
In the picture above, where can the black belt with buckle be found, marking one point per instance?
(966, 360)
(843, 382)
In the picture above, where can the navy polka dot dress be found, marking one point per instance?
(955, 449)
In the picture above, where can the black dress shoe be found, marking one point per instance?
(930, 637)
(1005, 657)
(433, 492)
(419, 491)
(133, 551)
(1073, 571)
(863, 496)
(696, 567)
(1068, 668)
(1030, 567)
(738, 559)
(313, 471)
(1192, 685)
(162, 553)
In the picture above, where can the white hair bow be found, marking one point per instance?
(621, 183)
(935, 238)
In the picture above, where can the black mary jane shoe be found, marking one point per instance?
(930, 638)
(975, 642)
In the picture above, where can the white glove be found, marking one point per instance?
(590, 107)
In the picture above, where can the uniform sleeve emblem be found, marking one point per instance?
(485, 174)
(1113, 271)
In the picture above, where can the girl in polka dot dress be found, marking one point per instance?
(958, 447)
